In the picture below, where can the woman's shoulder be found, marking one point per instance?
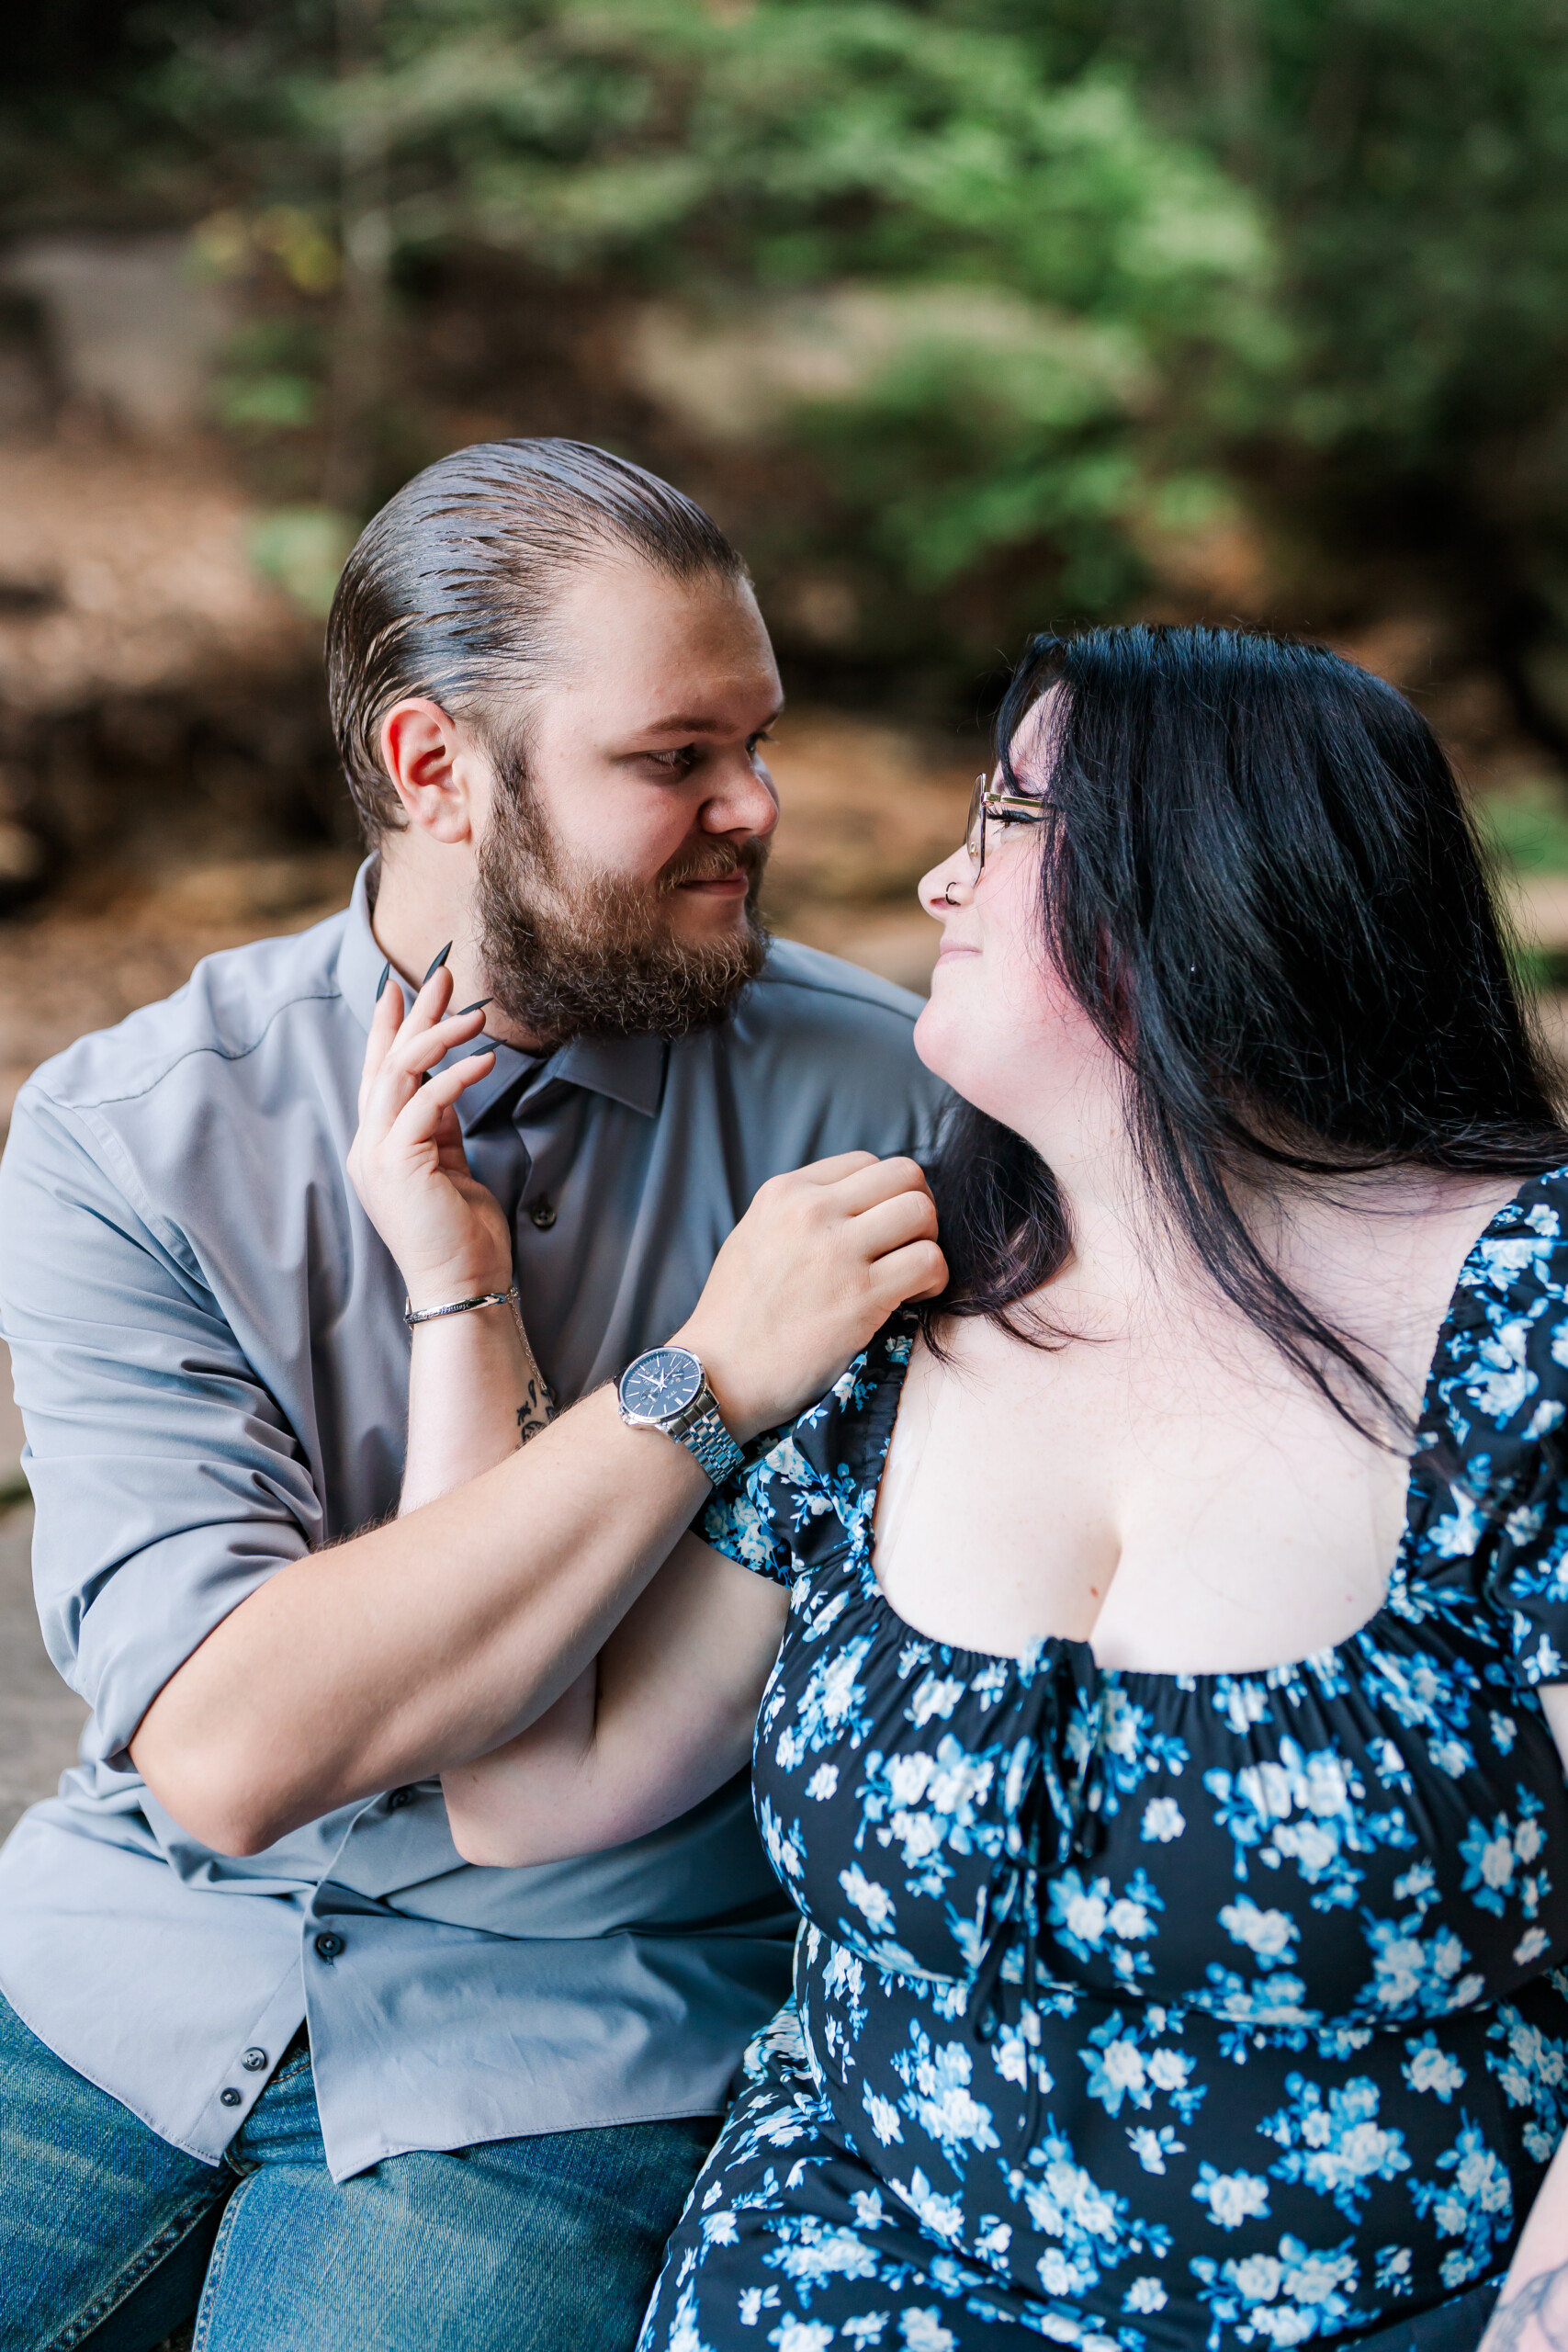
(806, 1492)
(1519, 1265)
(1498, 1393)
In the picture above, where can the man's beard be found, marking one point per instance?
(593, 955)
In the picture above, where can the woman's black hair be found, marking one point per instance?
(1260, 882)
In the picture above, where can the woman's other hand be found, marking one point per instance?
(407, 1163)
(814, 1269)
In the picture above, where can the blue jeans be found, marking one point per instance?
(109, 2238)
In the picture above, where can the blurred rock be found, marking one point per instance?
(134, 332)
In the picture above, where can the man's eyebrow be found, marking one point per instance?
(683, 726)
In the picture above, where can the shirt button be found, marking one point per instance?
(229, 2098)
(543, 1214)
(329, 1945)
(253, 2061)
(398, 1798)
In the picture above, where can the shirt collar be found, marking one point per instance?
(627, 1069)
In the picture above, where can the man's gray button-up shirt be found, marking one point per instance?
(212, 1366)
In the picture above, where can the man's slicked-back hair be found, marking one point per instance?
(450, 590)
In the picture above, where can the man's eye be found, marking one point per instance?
(673, 762)
(752, 741)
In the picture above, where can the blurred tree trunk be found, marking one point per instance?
(359, 379)
(1227, 64)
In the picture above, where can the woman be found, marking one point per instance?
(1164, 1750)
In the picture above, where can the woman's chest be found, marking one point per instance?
(1200, 1513)
(1382, 1838)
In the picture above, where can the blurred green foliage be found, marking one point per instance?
(959, 308)
(1526, 828)
(733, 164)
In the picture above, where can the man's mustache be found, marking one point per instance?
(714, 863)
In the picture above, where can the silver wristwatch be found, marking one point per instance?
(667, 1390)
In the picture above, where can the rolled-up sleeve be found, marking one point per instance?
(168, 1483)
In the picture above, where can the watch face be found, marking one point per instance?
(661, 1383)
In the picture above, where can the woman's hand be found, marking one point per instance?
(407, 1163)
(812, 1269)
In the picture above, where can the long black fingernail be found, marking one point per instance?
(381, 983)
(472, 1007)
(436, 963)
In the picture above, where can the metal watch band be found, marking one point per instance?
(710, 1443)
(412, 1315)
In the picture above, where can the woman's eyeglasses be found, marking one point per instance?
(990, 805)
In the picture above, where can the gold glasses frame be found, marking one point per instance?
(990, 805)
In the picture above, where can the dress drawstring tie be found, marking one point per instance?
(1052, 1822)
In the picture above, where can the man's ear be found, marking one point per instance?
(436, 769)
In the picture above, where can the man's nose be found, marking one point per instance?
(746, 802)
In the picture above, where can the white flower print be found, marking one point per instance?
(944, 2216)
(1232, 2198)
(801, 2335)
(1431, 2068)
(1117, 2072)
(873, 1902)
(1335, 2145)
(1162, 1821)
(923, 2330)
(1283, 2299)
(1152, 2147)
(938, 1695)
(883, 2116)
(939, 2097)
(1144, 2295)
(1476, 2206)
(1269, 1934)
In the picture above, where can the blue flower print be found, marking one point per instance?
(1088, 1917)
(1498, 1860)
(1281, 2299)
(1232, 2198)
(1152, 2147)
(1143, 2012)
(1430, 2067)
(1334, 2144)
(831, 1707)
(1091, 2229)
(1475, 2205)
(1268, 1935)
(1123, 2065)
(1113, 1745)
(1416, 1976)
(1531, 2069)
(1306, 1808)
(938, 2098)
(927, 1804)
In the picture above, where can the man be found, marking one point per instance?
(259, 2030)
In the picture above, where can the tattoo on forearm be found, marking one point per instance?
(537, 1410)
(1542, 2300)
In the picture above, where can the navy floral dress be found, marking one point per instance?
(1142, 2010)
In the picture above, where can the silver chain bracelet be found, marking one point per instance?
(412, 1315)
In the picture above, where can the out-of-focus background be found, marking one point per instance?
(965, 317)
